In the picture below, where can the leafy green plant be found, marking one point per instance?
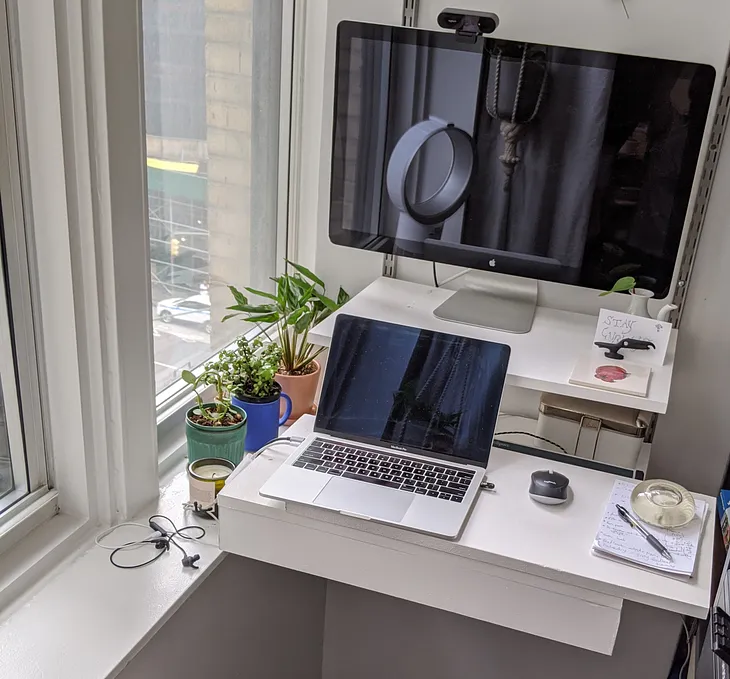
(625, 284)
(217, 414)
(249, 370)
(297, 305)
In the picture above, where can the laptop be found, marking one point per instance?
(404, 428)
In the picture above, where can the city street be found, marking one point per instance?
(177, 347)
(180, 346)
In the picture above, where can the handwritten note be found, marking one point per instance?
(617, 539)
(614, 326)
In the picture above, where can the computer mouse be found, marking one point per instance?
(549, 487)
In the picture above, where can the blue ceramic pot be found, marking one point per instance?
(263, 419)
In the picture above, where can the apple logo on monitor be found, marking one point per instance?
(492, 262)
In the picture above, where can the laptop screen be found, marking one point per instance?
(411, 389)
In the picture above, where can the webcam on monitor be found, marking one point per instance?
(469, 25)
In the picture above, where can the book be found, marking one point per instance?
(615, 539)
(595, 370)
(723, 510)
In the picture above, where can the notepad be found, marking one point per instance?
(595, 370)
(617, 540)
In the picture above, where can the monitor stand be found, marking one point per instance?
(494, 301)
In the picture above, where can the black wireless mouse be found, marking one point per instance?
(549, 487)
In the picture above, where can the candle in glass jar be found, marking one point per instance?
(207, 477)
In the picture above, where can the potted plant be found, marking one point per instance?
(625, 284)
(639, 303)
(248, 372)
(297, 305)
(216, 428)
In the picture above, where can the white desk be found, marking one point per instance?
(542, 359)
(517, 564)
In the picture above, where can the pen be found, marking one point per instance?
(623, 513)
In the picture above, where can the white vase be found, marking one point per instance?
(639, 305)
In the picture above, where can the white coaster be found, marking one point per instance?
(603, 373)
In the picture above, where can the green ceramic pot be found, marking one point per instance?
(222, 442)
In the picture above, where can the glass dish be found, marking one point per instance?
(663, 503)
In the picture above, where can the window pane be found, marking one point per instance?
(14, 477)
(7, 478)
(22, 445)
(212, 110)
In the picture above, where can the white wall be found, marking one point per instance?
(257, 621)
(248, 619)
(416, 642)
(691, 439)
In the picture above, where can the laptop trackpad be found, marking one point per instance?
(366, 499)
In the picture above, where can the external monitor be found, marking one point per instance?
(536, 160)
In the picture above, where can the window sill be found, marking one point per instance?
(87, 609)
(24, 516)
(29, 556)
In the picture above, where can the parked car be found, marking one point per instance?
(195, 310)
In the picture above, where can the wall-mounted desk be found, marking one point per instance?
(518, 564)
(541, 360)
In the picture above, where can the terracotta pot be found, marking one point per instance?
(301, 389)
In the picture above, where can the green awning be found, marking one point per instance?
(180, 185)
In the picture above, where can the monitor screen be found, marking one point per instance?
(413, 390)
(537, 160)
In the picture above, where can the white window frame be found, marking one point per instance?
(172, 402)
(82, 165)
(18, 363)
(99, 419)
(125, 97)
(50, 316)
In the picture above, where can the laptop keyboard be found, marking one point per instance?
(402, 473)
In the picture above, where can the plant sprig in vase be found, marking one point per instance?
(625, 284)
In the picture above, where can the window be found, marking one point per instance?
(22, 451)
(212, 74)
(14, 481)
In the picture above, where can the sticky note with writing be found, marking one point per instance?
(614, 326)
